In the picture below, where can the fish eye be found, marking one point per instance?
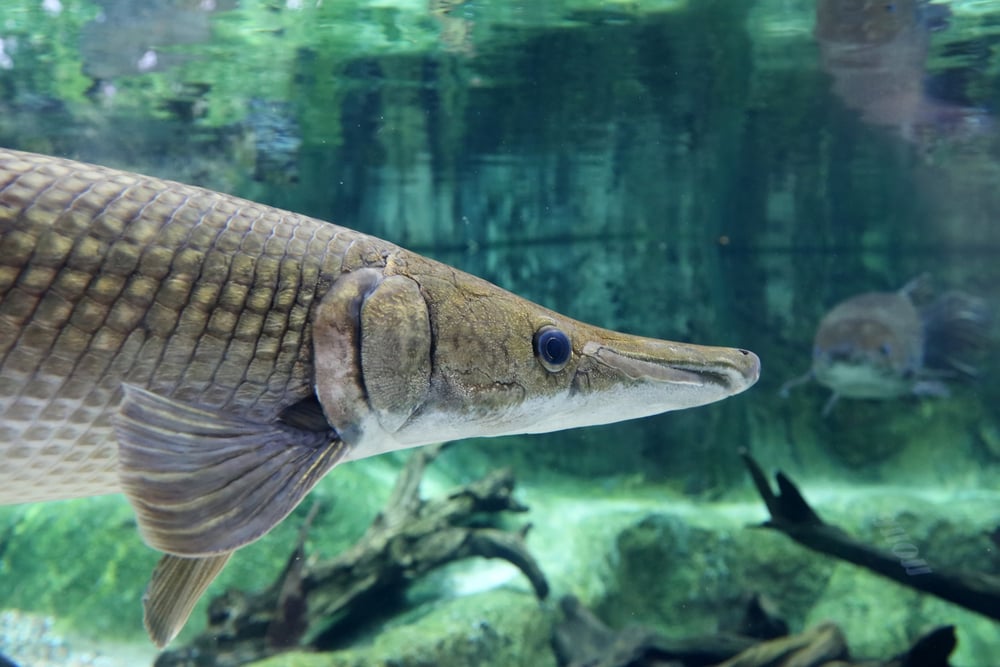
(553, 348)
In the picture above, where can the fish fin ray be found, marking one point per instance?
(958, 330)
(174, 588)
(204, 483)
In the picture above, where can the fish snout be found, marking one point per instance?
(657, 361)
(751, 366)
(634, 376)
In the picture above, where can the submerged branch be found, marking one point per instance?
(792, 515)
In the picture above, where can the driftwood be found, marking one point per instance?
(310, 603)
(581, 640)
(792, 515)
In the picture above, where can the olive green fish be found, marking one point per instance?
(213, 358)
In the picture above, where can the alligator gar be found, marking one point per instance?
(212, 358)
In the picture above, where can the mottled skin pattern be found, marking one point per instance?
(108, 277)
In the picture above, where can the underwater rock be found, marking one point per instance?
(677, 576)
(687, 571)
(582, 640)
(886, 441)
(792, 515)
(498, 628)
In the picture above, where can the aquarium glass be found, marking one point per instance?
(817, 181)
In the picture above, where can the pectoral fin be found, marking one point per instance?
(205, 484)
(176, 585)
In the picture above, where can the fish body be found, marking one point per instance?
(213, 358)
(876, 53)
(881, 345)
(110, 280)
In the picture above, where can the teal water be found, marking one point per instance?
(717, 171)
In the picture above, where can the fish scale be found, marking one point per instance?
(107, 278)
(213, 359)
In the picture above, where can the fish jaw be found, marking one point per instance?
(880, 365)
(861, 380)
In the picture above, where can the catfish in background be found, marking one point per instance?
(876, 52)
(880, 345)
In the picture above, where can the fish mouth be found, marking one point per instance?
(730, 370)
(623, 377)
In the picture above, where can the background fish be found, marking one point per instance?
(213, 358)
(876, 53)
(879, 345)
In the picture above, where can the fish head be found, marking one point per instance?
(865, 22)
(870, 346)
(444, 355)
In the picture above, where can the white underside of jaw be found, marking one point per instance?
(862, 381)
(556, 412)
